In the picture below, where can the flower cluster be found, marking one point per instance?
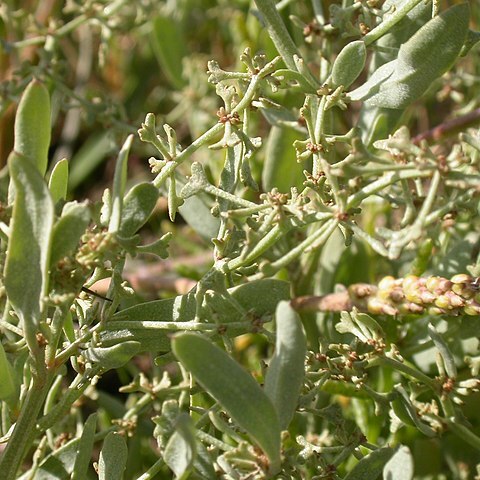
(416, 295)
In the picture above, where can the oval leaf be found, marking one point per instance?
(113, 457)
(58, 181)
(32, 125)
(138, 205)
(284, 378)
(349, 64)
(68, 229)
(234, 389)
(26, 270)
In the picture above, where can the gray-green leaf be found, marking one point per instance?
(428, 54)
(349, 64)
(234, 389)
(138, 205)
(84, 450)
(32, 125)
(284, 378)
(400, 466)
(113, 457)
(26, 270)
(58, 181)
(68, 229)
(113, 357)
(180, 451)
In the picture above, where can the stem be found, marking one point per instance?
(218, 192)
(392, 20)
(24, 432)
(407, 370)
(319, 237)
(463, 432)
(67, 28)
(378, 185)
(261, 247)
(278, 32)
(182, 156)
(153, 470)
(174, 326)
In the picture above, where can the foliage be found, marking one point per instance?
(319, 170)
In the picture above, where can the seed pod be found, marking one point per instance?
(461, 278)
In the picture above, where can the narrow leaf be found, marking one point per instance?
(58, 181)
(7, 380)
(169, 48)
(89, 156)
(119, 182)
(84, 449)
(32, 125)
(281, 170)
(285, 373)
(113, 457)
(26, 270)
(234, 389)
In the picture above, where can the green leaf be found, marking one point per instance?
(400, 466)
(59, 464)
(196, 212)
(349, 64)
(284, 378)
(180, 451)
(84, 449)
(26, 270)
(118, 189)
(113, 357)
(259, 297)
(138, 205)
(32, 125)
(68, 229)
(7, 379)
(281, 170)
(169, 48)
(113, 457)
(427, 55)
(234, 389)
(58, 182)
(90, 155)
(371, 466)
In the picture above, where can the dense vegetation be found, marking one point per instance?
(239, 239)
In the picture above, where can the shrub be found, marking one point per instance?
(330, 238)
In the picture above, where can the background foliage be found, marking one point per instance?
(338, 166)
